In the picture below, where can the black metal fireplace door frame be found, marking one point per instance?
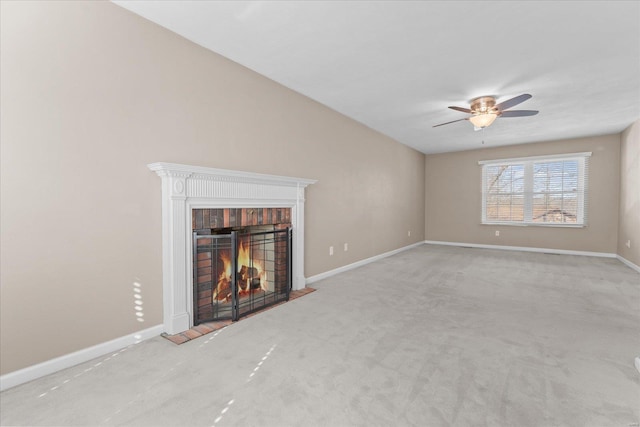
(229, 241)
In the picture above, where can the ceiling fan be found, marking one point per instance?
(484, 110)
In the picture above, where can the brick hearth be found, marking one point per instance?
(208, 327)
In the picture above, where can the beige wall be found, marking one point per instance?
(453, 198)
(630, 194)
(90, 95)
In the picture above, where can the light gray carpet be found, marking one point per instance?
(434, 336)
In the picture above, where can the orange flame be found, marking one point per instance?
(244, 259)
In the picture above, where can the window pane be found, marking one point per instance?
(555, 207)
(492, 212)
(570, 206)
(504, 212)
(555, 176)
(505, 179)
(539, 207)
(517, 207)
(493, 173)
(518, 179)
(492, 207)
(570, 177)
(539, 177)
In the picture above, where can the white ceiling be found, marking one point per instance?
(396, 66)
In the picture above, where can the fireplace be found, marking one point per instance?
(190, 191)
(241, 261)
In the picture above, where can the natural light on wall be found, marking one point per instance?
(541, 190)
(137, 301)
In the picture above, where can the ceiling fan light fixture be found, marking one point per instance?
(483, 120)
(484, 110)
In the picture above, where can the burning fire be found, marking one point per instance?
(251, 275)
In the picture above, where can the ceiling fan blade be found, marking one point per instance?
(518, 113)
(512, 102)
(464, 110)
(442, 124)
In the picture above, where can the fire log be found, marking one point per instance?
(248, 275)
(222, 291)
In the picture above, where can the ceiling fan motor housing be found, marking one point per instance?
(483, 105)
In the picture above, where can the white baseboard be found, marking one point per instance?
(524, 249)
(30, 373)
(357, 264)
(629, 263)
(543, 250)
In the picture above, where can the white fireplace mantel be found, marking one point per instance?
(185, 188)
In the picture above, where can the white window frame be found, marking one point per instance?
(528, 162)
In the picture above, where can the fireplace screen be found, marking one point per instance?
(239, 272)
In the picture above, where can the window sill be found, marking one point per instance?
(535, 224)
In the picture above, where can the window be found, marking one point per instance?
(542, 190)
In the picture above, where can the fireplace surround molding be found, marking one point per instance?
(185, 188)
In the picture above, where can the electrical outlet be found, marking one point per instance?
(497, 233)
(330, 250)
(346, 247)
(629, 243)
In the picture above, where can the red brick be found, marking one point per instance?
(203, 328)
(203, 242)
(191, 334)
(205, 278)
(204, 263)
(176, 339)
(225, 217)
(204, 255)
